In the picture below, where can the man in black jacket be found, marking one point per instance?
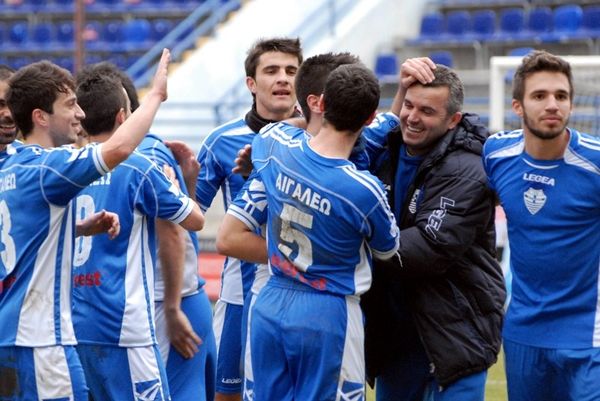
(433, 321)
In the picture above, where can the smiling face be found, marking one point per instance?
(424, 117)
(64, 123)
(546, 104)
(273, 85)
(8, 129)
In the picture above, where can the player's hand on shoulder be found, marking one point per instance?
(185, 158)
(416, 69)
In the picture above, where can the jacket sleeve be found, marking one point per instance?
(453, 212)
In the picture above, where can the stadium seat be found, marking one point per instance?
(432, 27)
(19, 32)
(112, 31)
(443, 57)
(136, 32)
(65, 32)
(516, 52)
(567, 21)
(458, 24)
(21, 61)
(160, 27)
(484, 25)
(539, 23)
(386, 66)
(43, 33)
(591, 21)
(66, 62)
(512, 23)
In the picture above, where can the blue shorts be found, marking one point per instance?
(407, 377)
(41, 373)
(124, 373)
(227, 324)
(190, 379)
(534, 373)
(306, 345)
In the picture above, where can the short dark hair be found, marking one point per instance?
(36, 86)
(5, 72)
(446, 77)
(108, 68)
(313, 74)
(351, 96)
(100, 97)
(538, 61)
(282, 45)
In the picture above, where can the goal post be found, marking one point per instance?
(586, 83)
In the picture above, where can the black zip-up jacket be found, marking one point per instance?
(448, 282)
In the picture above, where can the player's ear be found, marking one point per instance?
(456, 117)
(121, 116)
(313, 103)
(251, 84)
(40, 117)
(517, 107)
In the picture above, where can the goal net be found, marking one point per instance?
(586, 83)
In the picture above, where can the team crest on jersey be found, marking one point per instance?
(535, 199)
(352, 391)
(148, 391)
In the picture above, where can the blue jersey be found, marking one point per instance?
(553, 215)
(216, 157)
(37, 230)
(325, 217)
(113, 280)
(155, 149)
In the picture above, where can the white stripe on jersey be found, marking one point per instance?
(596, 336)
(362, 272)
(232, 290)
(590, 143)
(509, 151)
(575, 159)
(66, 322)
(352, 368)
(139, 279)
(243, 216)
(36, 327)
(540, 166)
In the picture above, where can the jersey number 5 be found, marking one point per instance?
(289, 235)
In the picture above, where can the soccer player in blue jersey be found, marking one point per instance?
(325, 219)
(547, 177)
(433, 325)
(114, 281)
(183, 311)
(37, 357)
(271, 65)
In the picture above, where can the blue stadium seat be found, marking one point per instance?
(443, 57)
(112, 31)
(386, 66)
(458, 24)
(432, 27)
(20, 61)
(65, 32)
(567, 21)
(539, 23)
(66, 63)
(520, 52)
(136, 33)
(2, 33)
(43, 33)
(484, 24)
(591, 21)
(512, 24)
(160, 27)
(19, 32)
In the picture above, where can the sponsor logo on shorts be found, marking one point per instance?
(148, 391)
(234, 380)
